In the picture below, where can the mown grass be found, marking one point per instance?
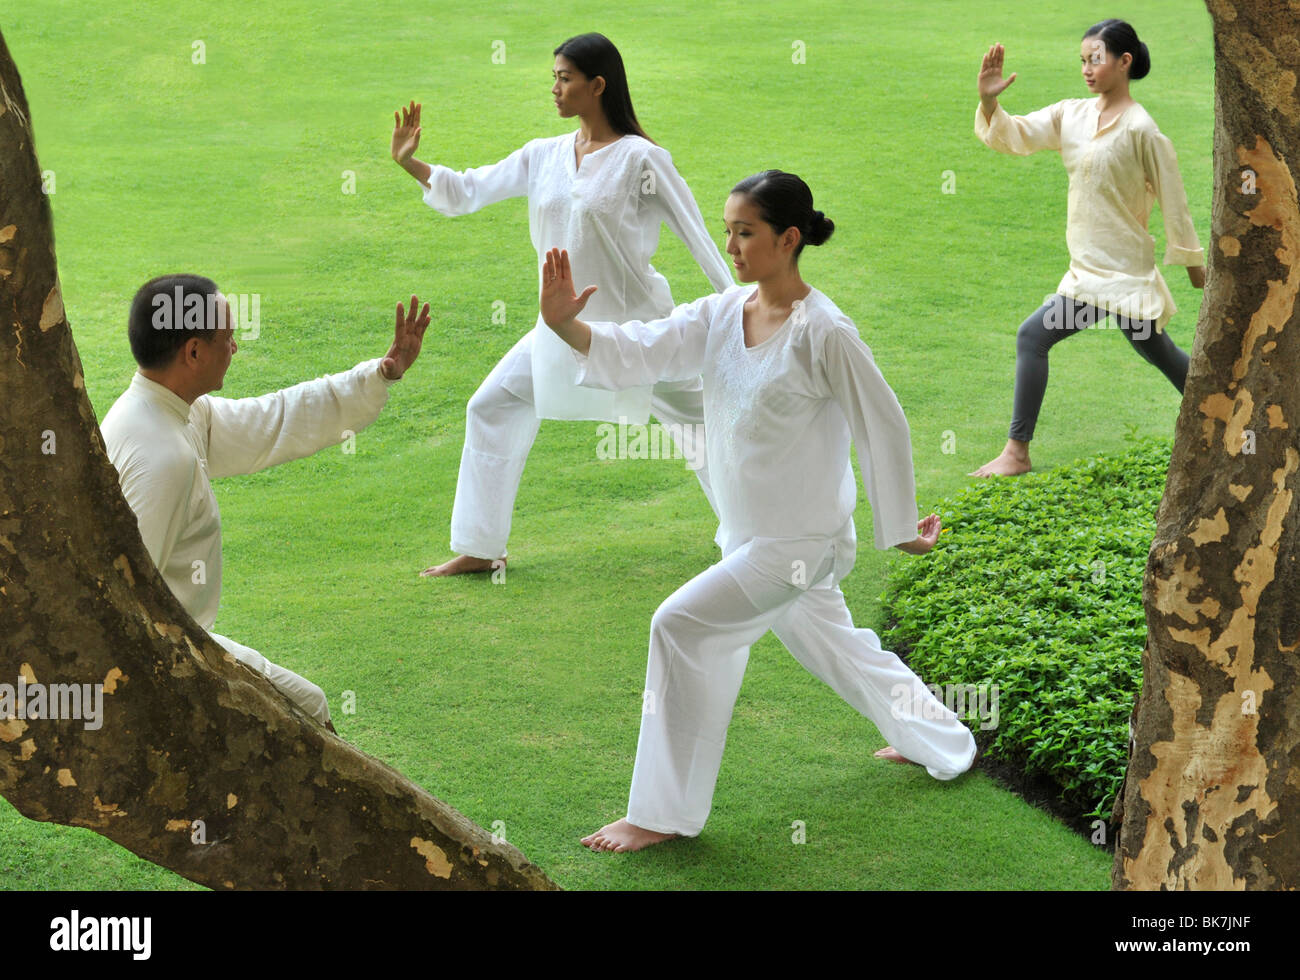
(519, 702)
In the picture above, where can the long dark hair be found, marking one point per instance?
(785, 201)
(1120, 39)
(595, 54)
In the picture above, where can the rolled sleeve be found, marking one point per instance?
(635, 353)
(454, 193)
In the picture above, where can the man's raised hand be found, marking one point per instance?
(407, 339)
(559, 302)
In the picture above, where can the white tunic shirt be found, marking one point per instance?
(1115, 176)
(166, 452)
(607, 214)
(780, 416)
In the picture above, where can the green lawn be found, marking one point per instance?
(520, 702)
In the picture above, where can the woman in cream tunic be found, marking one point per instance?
(601, 192)
(1119, 163)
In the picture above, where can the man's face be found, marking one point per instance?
(220, 348)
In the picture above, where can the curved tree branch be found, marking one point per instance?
(200, 765)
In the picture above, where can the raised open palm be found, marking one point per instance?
(406, 132)
(991, 82)
(408, 337)
(559, 303)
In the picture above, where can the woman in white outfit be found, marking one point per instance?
(600, 192)
(787, 384)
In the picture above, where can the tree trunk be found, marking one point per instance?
(1210, 800)
(200, 765)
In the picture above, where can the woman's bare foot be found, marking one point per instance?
(623, 836)
(1012, 461)
(893, 755)
(463, 565)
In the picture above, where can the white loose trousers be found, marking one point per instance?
(699, 647)
(501, 425)
(295, 687)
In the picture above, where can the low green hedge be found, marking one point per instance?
(1037, 589)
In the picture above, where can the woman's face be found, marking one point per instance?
(757, 251)
(1102, 71)
(575, 94)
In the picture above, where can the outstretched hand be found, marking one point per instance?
(407, 340)
(406, 132)
(991, 82)
(1196, 273)
(559, 303)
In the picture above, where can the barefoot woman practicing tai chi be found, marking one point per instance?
(602, 192)
(788, 383)
(1119, 163)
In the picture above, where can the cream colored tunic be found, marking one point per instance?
(1115, 177)
(166, 453)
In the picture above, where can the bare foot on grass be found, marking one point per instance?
(893, 755)
(623, 836)
(463, 565)
(1012, 461)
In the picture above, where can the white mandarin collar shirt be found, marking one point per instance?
(167, 452)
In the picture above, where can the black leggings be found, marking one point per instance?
(1062, 317)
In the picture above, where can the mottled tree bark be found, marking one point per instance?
(1211, 799)
(200, 765)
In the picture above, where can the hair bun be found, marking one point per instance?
(1141, 63)
(784, 201)
(1120, 39)
(820, 228)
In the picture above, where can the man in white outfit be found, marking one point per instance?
(168, 437)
